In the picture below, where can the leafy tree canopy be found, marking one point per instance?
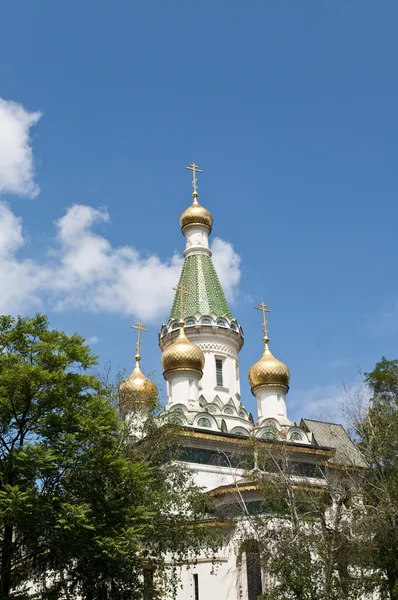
(82, 509)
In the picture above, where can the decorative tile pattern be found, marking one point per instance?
(206, 295)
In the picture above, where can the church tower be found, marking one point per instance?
(201, 314)
(269, 380)
(137, 394)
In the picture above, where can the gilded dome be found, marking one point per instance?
(269, 371)
(137, 387)
(196, 215)
(183, 355)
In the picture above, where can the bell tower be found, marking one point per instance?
(208, 321)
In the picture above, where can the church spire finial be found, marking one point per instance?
(268, 371)
(140, 327)
(263, 307)
(195, 169)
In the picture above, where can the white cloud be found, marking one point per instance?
(319, 402)
(20, 280)
(84, 271)
(93, 340)
(333, 403)
(16, 158)
(227, 264)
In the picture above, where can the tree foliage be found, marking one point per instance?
(82, 509)
(377, 430)
(308, 539)
(338, 538)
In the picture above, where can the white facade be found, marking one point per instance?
(197, 240)
(271, 403)
(182, 387)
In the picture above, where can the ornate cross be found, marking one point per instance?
(140, 327)
(181, 290)
(263, 307)
(195, 169)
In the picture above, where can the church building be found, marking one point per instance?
(200, 345)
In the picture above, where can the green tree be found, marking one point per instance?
(82, 510)
(309, 540)
(377, 428)
(340, 540)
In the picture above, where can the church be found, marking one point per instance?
(200, 345)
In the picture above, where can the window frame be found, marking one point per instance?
(219, 372)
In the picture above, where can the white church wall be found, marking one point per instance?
(197, 241)
(216, 578)
(210, 477)
(183, 388)
(271, 403)
(217, 346)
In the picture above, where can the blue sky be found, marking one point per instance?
(290, 109)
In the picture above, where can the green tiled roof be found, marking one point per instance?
(206, 295)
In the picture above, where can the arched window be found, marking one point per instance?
(269, 434)
(228, 410)
(175, 420)
(190, 322)
(296, 436)
(206, 321)
(240, 431)
(233, 326)
(175, 326)
(211, 409)
(203, 422)
(221, 323)
(164, 331)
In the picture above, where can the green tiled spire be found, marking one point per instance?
(206, 295)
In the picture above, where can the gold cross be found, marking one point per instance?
(195, 169)
(181, 290)
(140, 327)
(263, 307)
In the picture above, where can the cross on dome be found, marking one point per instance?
(195, 169)
(140, 327)
(263, 307)
(181, 289)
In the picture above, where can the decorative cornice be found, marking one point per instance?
(214, 347)
(216, 437)
(194, 332)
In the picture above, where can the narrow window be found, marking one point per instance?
(196, 585)
(219, 371)
(253, 570)
(148, 590)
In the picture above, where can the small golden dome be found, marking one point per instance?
(196, 215)
(137, 387)
(183, 355)
(269, 371)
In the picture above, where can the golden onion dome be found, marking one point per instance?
(183, 355)
(269, 371)
(137, 387)
(196, 215)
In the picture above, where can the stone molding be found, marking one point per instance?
(214, 347)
